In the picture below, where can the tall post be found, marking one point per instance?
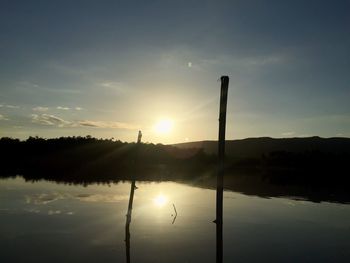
(131, 201)
(220, 176)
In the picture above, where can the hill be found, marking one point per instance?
(256, 147)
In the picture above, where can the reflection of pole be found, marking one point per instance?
(220, 176)
(128, 215)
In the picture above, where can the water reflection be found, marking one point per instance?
(160, 200)
(43, 221)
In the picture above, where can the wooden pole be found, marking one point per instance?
(220, 176)
(131, 201)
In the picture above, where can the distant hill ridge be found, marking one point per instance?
(254, 147)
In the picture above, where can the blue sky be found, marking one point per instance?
(109, 68)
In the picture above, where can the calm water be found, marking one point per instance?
(49, 222)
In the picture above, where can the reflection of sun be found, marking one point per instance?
(160, 200)
(164, 126)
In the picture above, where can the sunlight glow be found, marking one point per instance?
(164, 126)
(160, 200)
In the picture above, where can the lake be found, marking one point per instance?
(49, 222)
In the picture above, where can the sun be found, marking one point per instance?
(164, 126)
(160, 200)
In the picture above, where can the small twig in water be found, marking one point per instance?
(175, 210)
(175, 215)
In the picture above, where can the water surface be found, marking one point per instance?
(50, 222)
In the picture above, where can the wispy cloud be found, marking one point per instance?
(9, 106)
(247, 61)
(3, 118)
(39, 108)
(108, 124)
(288, 133)
(62, 108)
(69, 108)
(343, 118)
(110, 84)
(51, 120)
(265, 60)
(32, 87)
(113, 86)
(28, 84)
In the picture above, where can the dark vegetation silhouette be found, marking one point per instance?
(88, 159)
(313, 168)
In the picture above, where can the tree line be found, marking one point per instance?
(88, 159)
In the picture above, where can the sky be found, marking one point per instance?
(110, 68)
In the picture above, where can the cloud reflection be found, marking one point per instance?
(45, 198)
(54, 212)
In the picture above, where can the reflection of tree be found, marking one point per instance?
(128, 214)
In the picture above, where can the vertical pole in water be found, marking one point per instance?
(220, 176)
(131, 201)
